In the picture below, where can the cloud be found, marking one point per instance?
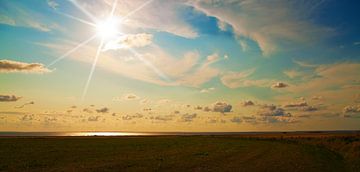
(53, 4)
(27, 117)
(198, 107)
(272, 110)
(248, 103)
(87, 110)
(188, 117)
(130, 117)
(297, 104)
(351, 111)
(151, 64)
(207, 90)
(316, 98)
(279, 85)
(129, 96)
(237, 120)
(9, 66)
(251, 19)
(218, 107)
(7, 20)
(25, 104)
(212, 58)
(293, 73)
(9, 98)
(309, 108)
(304, 64)
(129, 41)
(102, 110)
(169, 20)
(163, 117)
(19, 16)
(94, 118)
(239, 79)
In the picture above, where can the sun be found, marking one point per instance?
(108, 29)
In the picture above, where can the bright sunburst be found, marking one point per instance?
(108, 29)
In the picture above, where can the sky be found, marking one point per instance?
(193, 66)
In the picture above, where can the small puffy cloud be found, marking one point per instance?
(309, 108)
(316, 98)
(237, 120)
(296, 104)
(130, 117)
(147, 109)
(212, 58)
(102, 110)
(94, 118)
(53, 4)
(25, 104)
(162, 117)
(207, 90)
(273, 111)
(207, 109)
(129, 41)
(247, 103)
(163, 101)
(279, 85)
(218, 107)
(28, 117)
(9, 98)
(129, 96)
(188, 117)
(198, 107)
(10, 66)
(352, 109)
(87, 110)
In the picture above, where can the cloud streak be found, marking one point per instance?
(10, 66)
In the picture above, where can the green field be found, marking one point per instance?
(180, 153)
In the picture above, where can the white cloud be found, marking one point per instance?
(265, 22)
(129, 41)
(240, 79)
(7, 20)
(207, 90)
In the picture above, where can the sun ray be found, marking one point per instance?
(78, 19)
(136, 10)
(149, 64)
(71, 51)
(83, 10)
(92, 69)
(113, 8)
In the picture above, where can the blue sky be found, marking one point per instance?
(179, 65)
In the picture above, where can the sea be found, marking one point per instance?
(119, 133)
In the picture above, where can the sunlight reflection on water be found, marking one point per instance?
(107, 134)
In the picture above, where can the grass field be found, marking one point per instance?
(182, 153)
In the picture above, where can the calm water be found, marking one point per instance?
(150, 133)
(119, 133)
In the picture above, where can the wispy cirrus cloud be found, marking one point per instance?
(251, 19)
